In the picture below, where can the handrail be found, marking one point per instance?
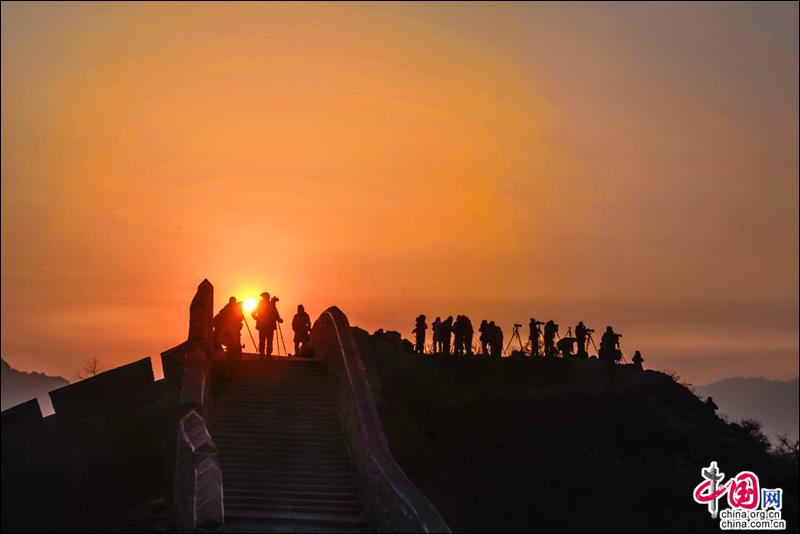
(392, 502)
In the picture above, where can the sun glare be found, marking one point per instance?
(249, 304)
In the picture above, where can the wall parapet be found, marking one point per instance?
(198, 497)
(392, 502)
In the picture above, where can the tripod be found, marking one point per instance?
(251, 334)
(515, 334)
(591, 340)
(280, 332)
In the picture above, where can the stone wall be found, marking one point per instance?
(392, 502)
(101, 460)
(122, 451)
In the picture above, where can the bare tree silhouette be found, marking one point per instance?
(91, 368)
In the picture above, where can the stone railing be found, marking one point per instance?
(392, 502)
(198, 479)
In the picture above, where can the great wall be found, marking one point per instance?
(276, 445)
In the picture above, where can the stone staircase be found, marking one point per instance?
(285, 465)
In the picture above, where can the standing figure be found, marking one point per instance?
(484, 337)
(550, 331)
(637, 361)
(495, 340)
(437, 335)
(609, 346)
(267, 319)
(467, 332)
(458, 337)
(447, 333)
(228, 328)
(301, 324)
(534, 335)
(581, 333)
(419, 332)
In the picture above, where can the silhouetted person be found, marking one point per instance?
(458, 336)
(419, 332)
(228, 327)
(495, 340)
(467, 332)
(534, 335)
(301, 324)
(267, 319)
(447, 333)
(581, 334)
(711, 404)
(609, 346)
(484, 337)
(437, 335)
(637, 361)
(565, 346)
(550, 331)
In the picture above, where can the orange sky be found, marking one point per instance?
(622, 164)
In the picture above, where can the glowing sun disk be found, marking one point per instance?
(249, 304)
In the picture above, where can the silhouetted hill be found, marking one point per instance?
(19, 386)
(521, 444)
(772, 402)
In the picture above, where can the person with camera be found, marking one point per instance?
(550, 332)
(609, 346)
(581, 334)
(267, 319)
(228, 328)
(534, 335)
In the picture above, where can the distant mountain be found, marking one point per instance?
(772, 402)
(19, 386)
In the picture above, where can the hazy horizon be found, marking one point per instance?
(625, 164)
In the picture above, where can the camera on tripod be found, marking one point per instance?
(516, 325)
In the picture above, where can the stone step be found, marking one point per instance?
(297, 437)
(266, 465)
(235, 428)
(237, 524)
(288, 474)
(235, 413)
(235, 505)
(299, 518)
(308, 500)
(303, 484)
(313, 456)
(278, 491)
